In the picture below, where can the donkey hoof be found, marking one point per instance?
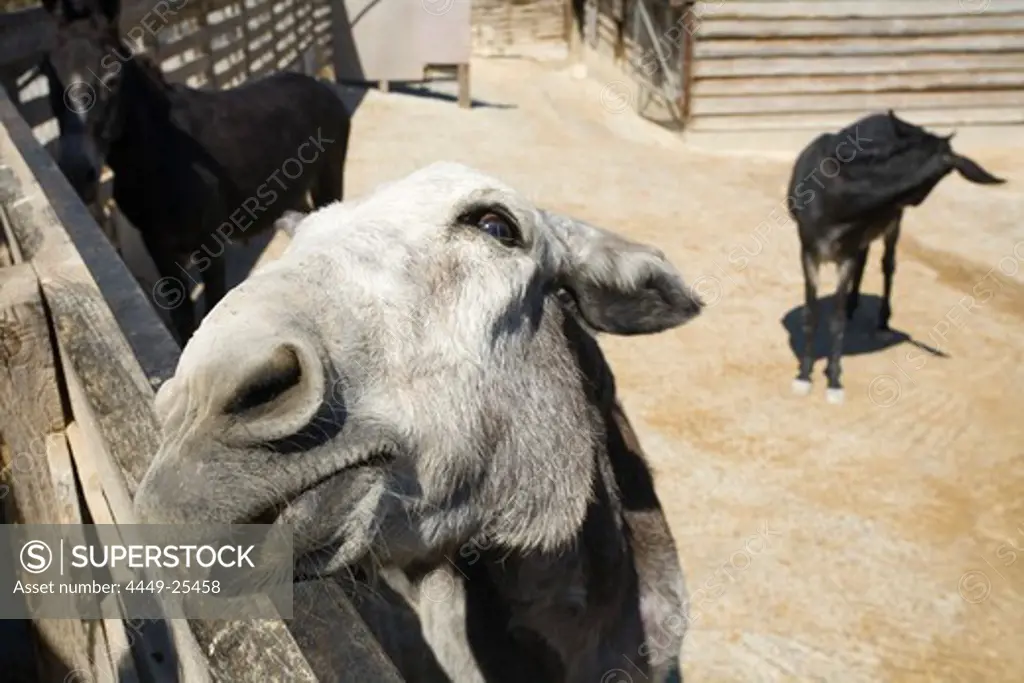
(801, 387)
(835, 396)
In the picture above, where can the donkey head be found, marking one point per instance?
(943, 148)
(83, 69)
(405, 374)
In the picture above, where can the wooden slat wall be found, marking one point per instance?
(778, 64)
(601, 28)
(519, 27)
(219, 44)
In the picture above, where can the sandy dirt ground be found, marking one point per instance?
(880, 540)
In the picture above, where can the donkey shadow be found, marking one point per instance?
(862, 335)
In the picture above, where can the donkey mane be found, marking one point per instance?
(149, 69)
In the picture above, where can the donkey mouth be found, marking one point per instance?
(285, 510)
(313, 514)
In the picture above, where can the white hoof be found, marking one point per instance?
(801, 387)
(834, 396)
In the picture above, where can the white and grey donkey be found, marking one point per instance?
(414, 386)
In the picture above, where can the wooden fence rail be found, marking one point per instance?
(84, 352)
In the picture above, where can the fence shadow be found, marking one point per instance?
(861, 334)
(427, 90)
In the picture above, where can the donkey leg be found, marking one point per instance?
(837, 330)
(858, 275)
(802, 383)
(214, 282)
(172, 292)
(888, 270)
(329, 184)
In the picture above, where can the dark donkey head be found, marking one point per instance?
(84, 71)
(907, 134)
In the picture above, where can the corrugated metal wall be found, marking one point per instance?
(779, 64)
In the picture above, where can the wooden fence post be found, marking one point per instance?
(465, 101)
(207, 42)
(243, 8)
(686, 55)
(30, 411)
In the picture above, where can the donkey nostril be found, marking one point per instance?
(276, 377)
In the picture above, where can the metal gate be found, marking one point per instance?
(658, 34)
(651, 40)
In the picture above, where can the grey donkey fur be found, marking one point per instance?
(414, 386)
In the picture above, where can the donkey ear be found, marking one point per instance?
(620, 287)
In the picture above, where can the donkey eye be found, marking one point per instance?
(496, 226)
(494, 220)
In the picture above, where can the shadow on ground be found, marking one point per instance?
(352, 94)
(862, 335)
(427, 90)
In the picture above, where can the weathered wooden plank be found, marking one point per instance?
(194, 40)
(122, 656)
(29, 392)
(789, 85)
(856, 46)
(193, 68)
(828, 66)
(62, 473)
(112, 399)
(321, 603)
(260, 44)
(156, 652)
(713, 27)
(836, 120)
(6, 259)
(232, 48)
(842, 9)
(266, 67)
(112, 402)
(228, 25)
(260, 20)
(465, 99)
(30, 411)
(103, 657)
(779, 104)
(51, 494)
(233, 71)
(208, 72)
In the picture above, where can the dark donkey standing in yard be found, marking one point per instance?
(187, 163)
(888, 165)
